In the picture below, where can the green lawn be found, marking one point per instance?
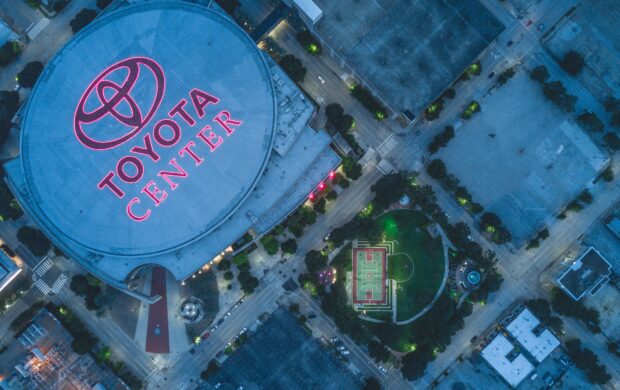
(408, 229)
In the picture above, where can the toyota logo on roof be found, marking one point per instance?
(114, 102)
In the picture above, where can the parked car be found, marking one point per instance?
(206, 335)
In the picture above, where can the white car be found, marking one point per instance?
(322, 80)
(345, 352)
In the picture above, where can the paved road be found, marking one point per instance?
(46, 44)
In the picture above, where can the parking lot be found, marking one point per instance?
(522, 158)
(281, 355)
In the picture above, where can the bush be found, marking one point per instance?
(29, 74)
(228, 275)
(224, 265)
(36, 241)
(240, 258)
(293, 67)
(82, 19)
(540, 74)
(331, 195)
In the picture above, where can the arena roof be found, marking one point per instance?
(148, 129)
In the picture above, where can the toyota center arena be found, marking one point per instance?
(160, 135)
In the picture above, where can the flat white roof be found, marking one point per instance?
(522, 329)
(310, 9)
(512, 371)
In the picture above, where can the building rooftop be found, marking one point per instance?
(259, 196)
(409, 51)
(588, 273)
(8, 270)
(129, 60)
(538, 341)
(506, 360)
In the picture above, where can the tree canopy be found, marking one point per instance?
(28, 76)
(82, 19)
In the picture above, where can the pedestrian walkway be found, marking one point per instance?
(37, 28)
(157, 340)
(387, 145)
(44, 266)
(43, 287)
(59, 283)
(386, 167)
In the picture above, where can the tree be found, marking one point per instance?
(270, 244)
(228, 275)
(372, 383)
(572, 62)
(441, 139)
(566, 306)
(437, 169)
(247, 281)
(293, 67)
(230, 6)
(333, 112)
(36, 241)
(8, 52)
(29, 74)
(309, 42)
(224, 265)
(608, 174)
(351, 168)
(82, 19)
(389, 189)
(591, 122)
(449, 93)
(294, 308)
(612, 140)
(211, 369)
(556, 92)
(331, 195)
(101, 4)
(315, 261)
(540, 74)
(369, 102)
(378, 351)
(414, 363)
(505, 76)
(289, 246)
(587, 361)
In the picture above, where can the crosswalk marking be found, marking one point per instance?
(44, 266)
(59, 283)
(385, 167)
(387, 145)
(37, 28)
(43, 287)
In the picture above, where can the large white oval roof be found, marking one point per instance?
(101, 126)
